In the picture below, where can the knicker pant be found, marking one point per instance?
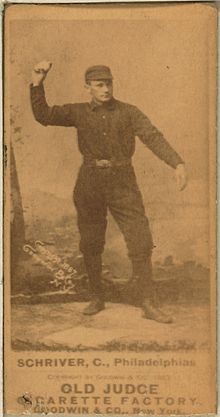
(98, 190)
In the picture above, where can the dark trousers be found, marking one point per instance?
(96, 191)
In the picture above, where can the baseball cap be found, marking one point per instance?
(98, 72)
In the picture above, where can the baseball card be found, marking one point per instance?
(110, 209)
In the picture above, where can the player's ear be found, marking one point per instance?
(87, 87)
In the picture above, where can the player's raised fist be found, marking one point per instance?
(40, 72)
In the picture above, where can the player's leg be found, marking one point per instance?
(126, 206)
(91, 209)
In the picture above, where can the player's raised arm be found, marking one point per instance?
(65, 115)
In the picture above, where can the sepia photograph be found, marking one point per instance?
(110, 207)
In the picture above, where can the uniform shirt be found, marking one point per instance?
(104, 131)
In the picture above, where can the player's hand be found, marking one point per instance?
(40, 72)
(181, 176)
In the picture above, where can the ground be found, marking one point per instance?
(62, 326)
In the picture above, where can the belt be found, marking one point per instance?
(106, 163)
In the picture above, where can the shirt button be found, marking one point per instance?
(104, 133)
(103, 116)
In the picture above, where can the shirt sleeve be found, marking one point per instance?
(153, 138)
(65, 115)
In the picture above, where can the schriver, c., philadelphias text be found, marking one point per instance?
(99, 362)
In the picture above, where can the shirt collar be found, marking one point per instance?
(109, 105)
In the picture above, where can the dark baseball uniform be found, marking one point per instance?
(107, 132)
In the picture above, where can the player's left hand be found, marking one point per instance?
(181, 176)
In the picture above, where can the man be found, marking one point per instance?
(106, 131)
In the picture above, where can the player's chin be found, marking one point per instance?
(105, 98)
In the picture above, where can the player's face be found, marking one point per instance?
(100, 90)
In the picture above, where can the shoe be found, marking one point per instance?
(153, 313)
(94, 307)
